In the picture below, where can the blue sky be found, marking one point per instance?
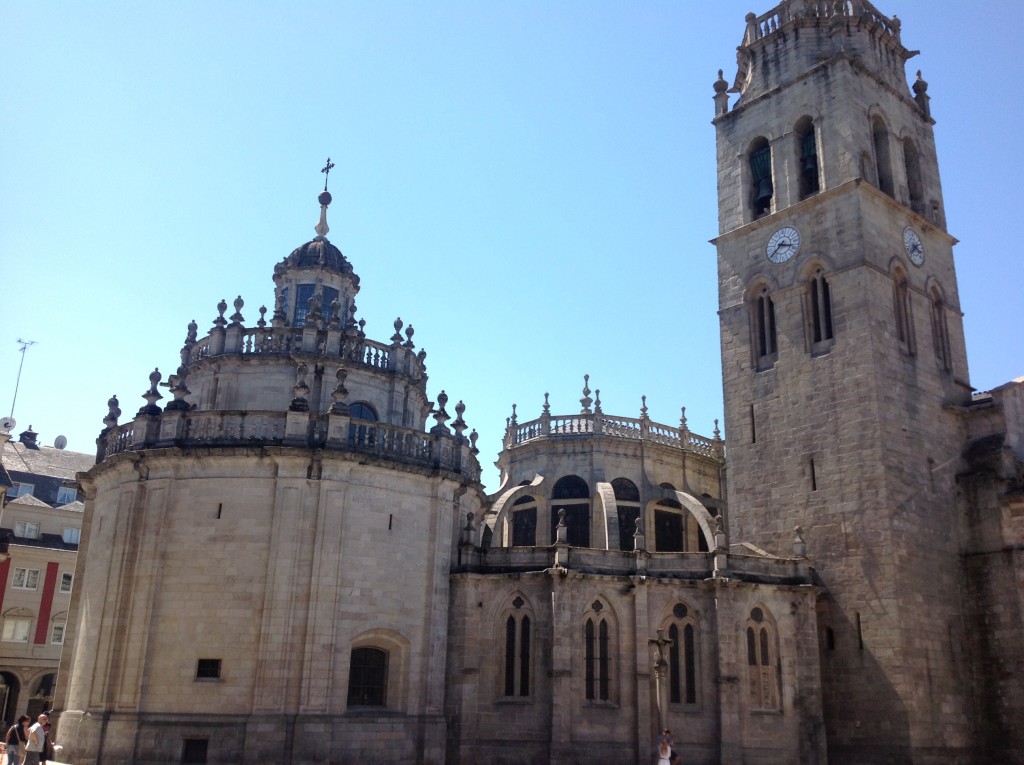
(531, 185)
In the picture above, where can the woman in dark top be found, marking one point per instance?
(16, 738)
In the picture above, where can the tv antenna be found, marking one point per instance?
(24, 347)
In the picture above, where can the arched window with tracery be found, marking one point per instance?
(901, 301)
(669, 526)
(762, 661)
(765, 340)
(762, 190)
(807, 157)
(524, 521)
(683, 659)
(627, 501)
(915, 186)
(820, 311)
(517, 627)
(883, 161)
(572, 494)
(940, 330)
(599, 638)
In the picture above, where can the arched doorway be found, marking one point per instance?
(42, 696)
(10, 689)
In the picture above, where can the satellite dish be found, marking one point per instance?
(7, 424)
(60, 442)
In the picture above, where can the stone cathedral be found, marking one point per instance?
(290, 557)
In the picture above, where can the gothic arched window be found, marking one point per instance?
(762, 661)
(598, 653)
(807, 158)
(820, 294)
(883, 162)
(940, 330)
(915, 187)
(761, 177)
(517, 645)
(765, 338)
(683, 661)
(901, 301)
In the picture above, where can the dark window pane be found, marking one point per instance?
(625, 490)
(690, 657)
(510, 657)
(208, 668)
(368, 674)
(627, 526)
(570, 487)
(588, 633)
(524, 527)
(668, 531)
(524, 657)
(673, 665)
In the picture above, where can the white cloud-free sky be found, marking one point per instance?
(530, 184)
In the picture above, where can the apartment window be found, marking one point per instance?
(16, 630)
(26, 530)
(207, 669)
(72, 536)
(517, 651)
(20, 489)
(368, 677)
(194, 751)
(57, 634)
(66, 580)
(66, 494)
(25, 579)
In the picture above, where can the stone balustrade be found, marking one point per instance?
(759, 27)
(286, 341)
(331, 432)
(594, 423)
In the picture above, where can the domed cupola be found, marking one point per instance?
(314, 274)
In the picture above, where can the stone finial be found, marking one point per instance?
(324, 199)
(514, 420)
(409, 332)
(547, 406)
(799, 545)
(718, 433)
(597, 401)
(152, 395)
(441, 415)
(721, 543)
(639, 543)
(113, 412)
(643, 407)
(422, 358)
(459, 425)
(340, 393)
(236, 317)
(279, 318)
(396, 339)
(721, 86)
(682, 420)
(586, 401)
(561, 530)
(193, 332)
(301, 390)
(335, 308)
(262, 322)
(473, 436)
(220, 321)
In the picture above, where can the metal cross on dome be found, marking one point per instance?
(327, 171)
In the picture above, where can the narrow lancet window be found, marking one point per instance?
(761, 175)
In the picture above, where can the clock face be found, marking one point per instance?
(783, 244)
(912, 243)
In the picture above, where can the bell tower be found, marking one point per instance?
(844, 364)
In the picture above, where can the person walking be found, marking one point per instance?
(15, 740)
(36, 740)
